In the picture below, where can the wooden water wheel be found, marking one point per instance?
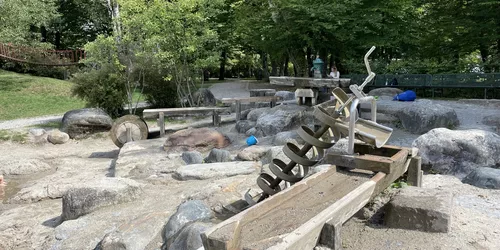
(137, 127)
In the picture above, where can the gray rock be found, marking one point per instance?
(484, 178)
(100, 193)
(215, 170)
(254, 114)
(200, 139)
(280, 118)
(57, 137)
(243, 126)
(385, 92)
(252, 153)
(420, 118)
(37, 131)
(458, 152)
(218, 155)
(111, 241)
(204, 97)
(190, 237)
(140, 159)
(285, 95)
(23, 166)
(492, 120)
(82, 122)
(188, 212)
(421, 209)
(244, 114)
(254, 132)
(192, 157)
(287, 136)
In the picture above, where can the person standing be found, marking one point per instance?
(334, 73)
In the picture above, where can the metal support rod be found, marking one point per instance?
(352, 123)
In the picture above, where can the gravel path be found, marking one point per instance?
(19, 123)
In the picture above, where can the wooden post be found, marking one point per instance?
(415, 172)
(485, 91)
(129, 134)
(330, 235)
(161, 123)
(273, 103)
(238, 110)
(216, 118)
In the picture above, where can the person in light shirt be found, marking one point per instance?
(334, 74)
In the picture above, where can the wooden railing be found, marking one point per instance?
(37, 56)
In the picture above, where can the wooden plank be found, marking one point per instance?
(185, 111)
(415, 172)
(330, 235)
(251, 99)
(307, 235)
(217, 238)
(161, 124)
(367, 162)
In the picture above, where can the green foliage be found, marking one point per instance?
(103, 88)
(160, 93)
(21, 19)
(399, 184)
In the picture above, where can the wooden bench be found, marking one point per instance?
(239, 101)
(214, 111)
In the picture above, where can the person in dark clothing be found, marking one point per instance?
(394, 82)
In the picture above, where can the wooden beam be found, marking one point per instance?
(161, 124)
(185, 111)
(251, 99)
(415, 172)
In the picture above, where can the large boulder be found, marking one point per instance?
(57, 137)
(192, 157)
(252, 153)
(190, 237)
(492, 120)
(243, 126)
(215, 170)
(421, 209)
(23, 166)
(280, 118)
(385, 92)
(287, 136)
(201, 139)
(218, 155)
(188, 212)
(82, 122)
(484, 178)
(458, 152)
(111, 241)
(254, 114)
(100, 193)
(141, 159)
(420, 117)
(204, 97)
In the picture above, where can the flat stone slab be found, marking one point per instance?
(420, 209)
(484, 178)
(216, 170)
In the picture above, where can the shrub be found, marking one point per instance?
(103, 88)
(159, 92)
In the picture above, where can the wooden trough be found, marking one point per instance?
(312, 211)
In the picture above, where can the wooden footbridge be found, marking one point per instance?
(42, 57)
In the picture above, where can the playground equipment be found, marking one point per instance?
(43, 57)
(342, 122)
(311, 212)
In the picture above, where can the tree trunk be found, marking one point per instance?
(331, 62)
(274, 67)
(265, 71)
(57, 41)
(285, 67)
(309, 61)
(222, 69)
(295, 71)
(323, 54)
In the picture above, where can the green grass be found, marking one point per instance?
(19, 137)
(47, 125)
(24, 96)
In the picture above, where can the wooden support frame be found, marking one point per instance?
(323, 228)
(162, 113)
(238, 101)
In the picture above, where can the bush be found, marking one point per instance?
(160, 93)
(102, 88)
